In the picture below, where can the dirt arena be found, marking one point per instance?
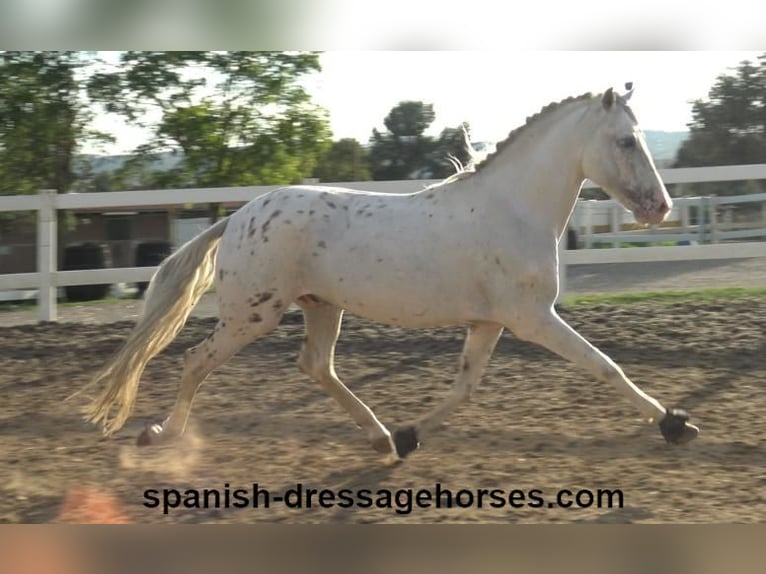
(536, 422)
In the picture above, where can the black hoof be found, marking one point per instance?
(676, 429)
(149, 436)
(405, 441)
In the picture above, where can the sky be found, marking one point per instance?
(494, 91)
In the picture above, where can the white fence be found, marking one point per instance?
(710, 227)
(47, 279)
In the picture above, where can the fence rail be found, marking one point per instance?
(48, 278)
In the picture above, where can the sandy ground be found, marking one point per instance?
(536, 422)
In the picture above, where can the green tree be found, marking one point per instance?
(729, 127)
(239, 118)
(345, 160)
(44, 117)
(450, 144)
(405, 152)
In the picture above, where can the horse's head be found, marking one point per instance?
(617, 159)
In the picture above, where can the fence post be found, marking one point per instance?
(685, 217)
(713, 210)
(615, 224)
(702, 218)
(562, 255)
(588, 205)
(46, 255)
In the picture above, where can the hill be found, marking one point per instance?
(663, 146)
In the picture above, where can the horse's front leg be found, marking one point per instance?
(478, 347)
(543, 326)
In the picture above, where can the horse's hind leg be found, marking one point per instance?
(477, 349)
(199, 361)
(316, 360)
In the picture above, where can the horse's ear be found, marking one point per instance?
(629, 88)
(608, 98)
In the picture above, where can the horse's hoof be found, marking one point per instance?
(676, 429)
(383, 445)
(406, 440)
(150, 435)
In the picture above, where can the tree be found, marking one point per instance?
(238, 118)
(450, 143)
(44, 116)
(405, 152)
(730, 126)
(345, 160)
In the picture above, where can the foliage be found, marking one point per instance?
(238, 118)
(44, 116)
(345, 160)
(729, 127)
(405, 152)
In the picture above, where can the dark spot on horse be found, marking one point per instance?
(300, 195)
(340, 280)
(265, 226)
(345, 208)
(300, 211)
(472, 210)
(379, 259)
(288, 221)
(262, 298)
(466, 365)
(323, 194)
(314, 254)
(430, 195)
(255, 318)
(265, 239)
(368, 215)
(430, 215)
(265, 203)
(278, 304)
(497, 260)
(220, 274)
(359, 211)
(223, 324)
(322, 244)
(252, 252)
(311, 212)
(331, 204)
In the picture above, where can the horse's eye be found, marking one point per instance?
(627, 142)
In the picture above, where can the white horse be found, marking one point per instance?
(478, 249)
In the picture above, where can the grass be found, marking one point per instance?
(665, 296)
(590, 299)
(32, 303)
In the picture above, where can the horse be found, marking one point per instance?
(478, 249)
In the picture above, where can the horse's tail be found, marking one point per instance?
(177, 286)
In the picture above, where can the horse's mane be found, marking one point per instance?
(479, 160)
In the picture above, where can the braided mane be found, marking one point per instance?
(479, 161)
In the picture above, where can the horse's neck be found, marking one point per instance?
(541, 174)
